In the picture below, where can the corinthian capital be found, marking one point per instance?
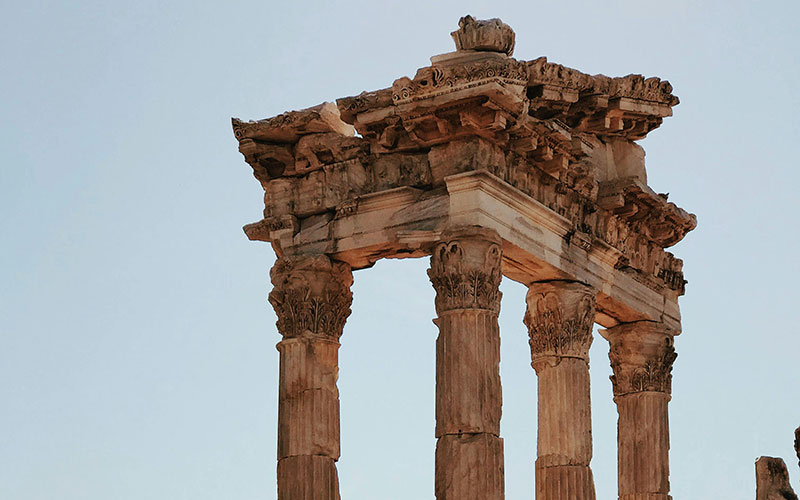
(559, 318)
(312, 296)
(466, 270)
(641, 354)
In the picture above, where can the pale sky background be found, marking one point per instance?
(137, 355)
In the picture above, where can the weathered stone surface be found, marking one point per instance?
(641, 357)
(559, 317)
(290, 126)
(645, 211)
(564, 481)
(469, 466)
(772, 480)
(492, 35)
(465, 272)
(315, 150)
(308, 400)
(312, 300)
(307, 478)
(643, 446)
(469, 394)
(797, 444)
(534, 125)
(565, 419)
(537, 166)
(311, 297)
(464, 155)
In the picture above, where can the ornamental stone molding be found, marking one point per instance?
(641, 357)
(492, 35)
(493, 167)
(311, 297)
(559, 317)
(465, 270)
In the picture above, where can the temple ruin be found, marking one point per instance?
(491, 166)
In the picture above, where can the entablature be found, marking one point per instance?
(538, 133)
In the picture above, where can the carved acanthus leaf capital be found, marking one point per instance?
(641, 355)
(312, 296)
(559, 317)
(466, 270)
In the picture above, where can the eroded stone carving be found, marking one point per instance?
(311, 297)
(315, 150)
(465, 272)
(459, 75)
(491, 35)
(566, 137)
(290, 126)
(641, 357)
(537, 167)
(296, 142)
(559, 318)
(642, 354)
(466, 276)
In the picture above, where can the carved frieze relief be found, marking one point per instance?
(290, 126)
(342, 183)
(560, 136)
(442, 79)
(569, 197)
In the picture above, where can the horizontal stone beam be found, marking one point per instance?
(538, 244)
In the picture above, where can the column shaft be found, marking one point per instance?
(559, 317)
(465, 272)
(312, 300)
(641, 356)
(643, 446)
(469, 394)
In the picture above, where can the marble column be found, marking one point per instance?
(312, 298)
(465, 272)
(641, 356)
(559, 317)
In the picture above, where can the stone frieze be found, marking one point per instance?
(559, 136)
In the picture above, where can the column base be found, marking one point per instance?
(307, 477)
(562, 482)
(469, 466)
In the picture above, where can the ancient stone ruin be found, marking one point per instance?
(772, 476)
(491, 166)
(772, 480)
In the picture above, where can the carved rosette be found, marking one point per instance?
(642, 355)
(311, 297)
(559, 317)
(466, 270)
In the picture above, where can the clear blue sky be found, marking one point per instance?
(137, 355)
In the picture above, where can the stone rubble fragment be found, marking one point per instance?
(772, 480)
(797, 444)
